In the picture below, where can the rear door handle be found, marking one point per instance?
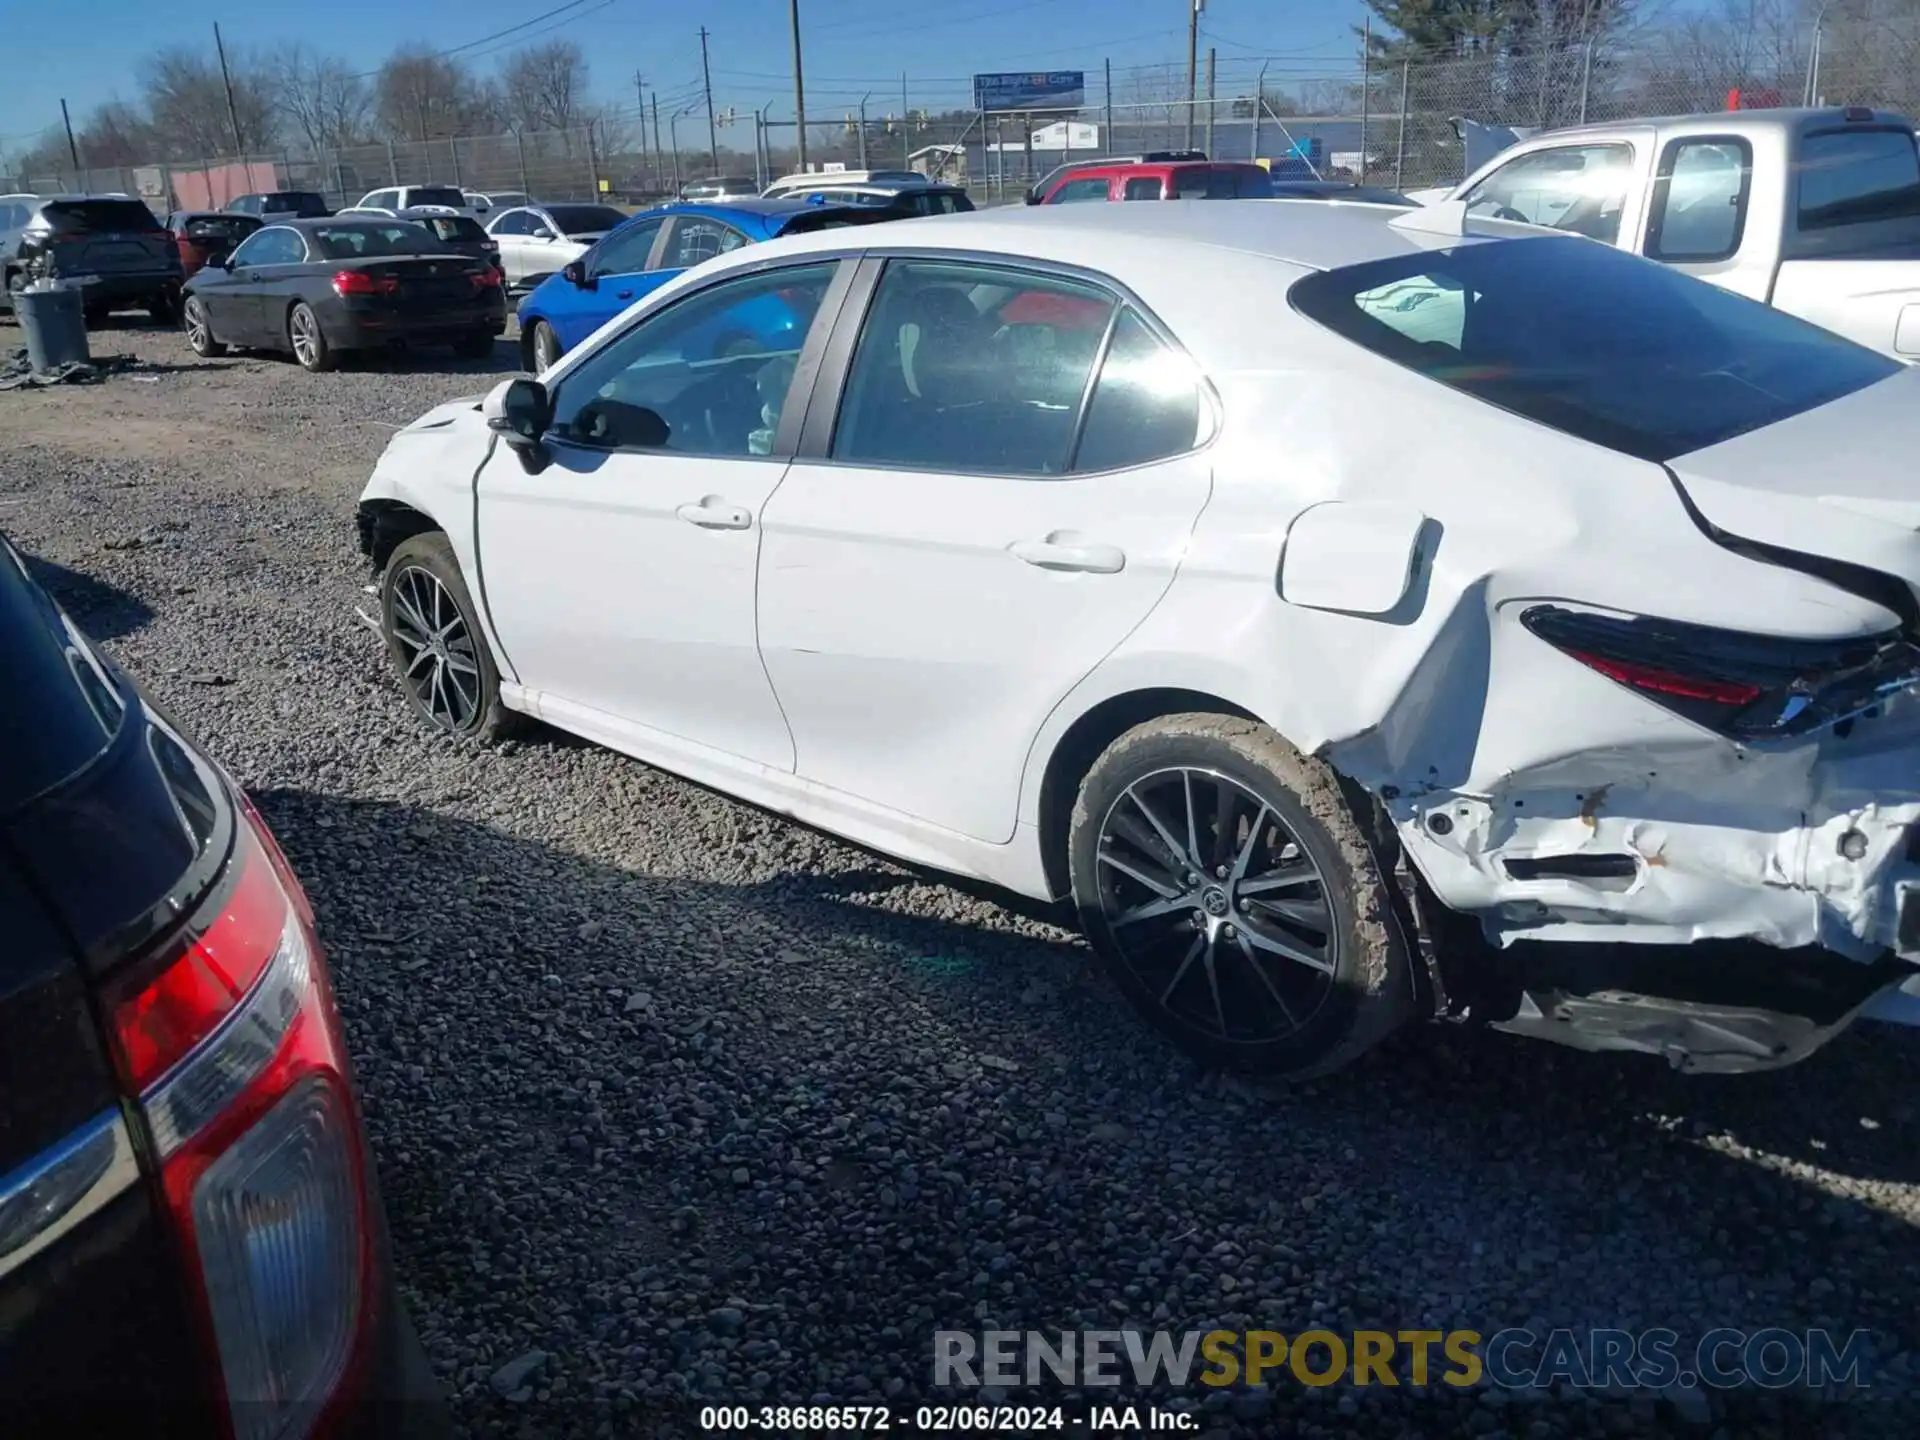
(1051, 554)
(713, 513)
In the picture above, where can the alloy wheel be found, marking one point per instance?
(196, 316)
(441, 669)
(1215, 906)
(304, 330)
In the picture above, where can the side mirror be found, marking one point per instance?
(214, 262)
(1033, 197)
(518, 411)
(576, 275)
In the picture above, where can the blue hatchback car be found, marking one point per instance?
(638, 257)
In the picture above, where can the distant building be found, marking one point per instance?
(940, 162)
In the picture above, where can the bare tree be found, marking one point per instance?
(421, 96)
(186, 105)
(544, 87)
(322, 101)
(114, 134)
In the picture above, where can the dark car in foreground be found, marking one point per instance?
(112, 246)
(318, 288)
(191, 1236)
(203, 235)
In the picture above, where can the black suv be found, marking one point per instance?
(191, 1240)
(113, 246)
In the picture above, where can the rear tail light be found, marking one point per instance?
(358, 282)
(1747, 687)
(234, 1051)
(489, 278)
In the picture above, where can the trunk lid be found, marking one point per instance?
(1834, 482)
(425, 282)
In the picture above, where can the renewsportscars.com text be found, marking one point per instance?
(1512, 1358)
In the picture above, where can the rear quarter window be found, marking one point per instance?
(1590, 341)
(1857, 176)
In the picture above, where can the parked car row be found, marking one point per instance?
(318, 288)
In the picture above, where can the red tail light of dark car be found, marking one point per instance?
(232, 1047)
(358, 282)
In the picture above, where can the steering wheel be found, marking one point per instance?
(726, 397)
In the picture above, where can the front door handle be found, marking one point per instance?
(713, 513)
(1056, 554)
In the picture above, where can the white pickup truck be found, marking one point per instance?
(1816, 212)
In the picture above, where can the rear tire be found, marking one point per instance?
(477, 346)
(199, 329)
(433, 635)
(308, 341)
(1263, 939)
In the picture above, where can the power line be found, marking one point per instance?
(496, 35)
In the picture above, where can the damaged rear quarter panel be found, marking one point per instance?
(1447, 703)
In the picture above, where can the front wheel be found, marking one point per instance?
(1233, 895)
(433, 634)
(543, 347)
(307, 340)
(193, 318)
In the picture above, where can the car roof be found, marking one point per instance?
(760, 206)
(1310, 234)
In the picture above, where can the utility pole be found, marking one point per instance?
(72, 149)
(906, 127)
(1193, 61)
(226, 79)
(1106, 140)
(659, 165)
(1210, 94)
(706, 78)
(640, 95)
(799, 90)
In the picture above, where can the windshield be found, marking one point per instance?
(357, 241)
(303, 203)
(1591, 341)
(585, 219)
(93, 217)
(219, 227)
(437, 195)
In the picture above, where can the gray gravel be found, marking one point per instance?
(672, 1099)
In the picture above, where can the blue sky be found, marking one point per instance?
(89, 50)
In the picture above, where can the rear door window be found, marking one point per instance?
(1700, 200)
(98, 217)
(697, 238)
(1591, 341)
(1856, 176)
(1143, 187)
(971, 368)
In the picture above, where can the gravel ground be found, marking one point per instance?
(673, 1099)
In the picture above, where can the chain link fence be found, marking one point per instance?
(1385, 122)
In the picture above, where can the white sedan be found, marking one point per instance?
(1323, 596)
(540, 240)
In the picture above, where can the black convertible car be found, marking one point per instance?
(320, 287)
